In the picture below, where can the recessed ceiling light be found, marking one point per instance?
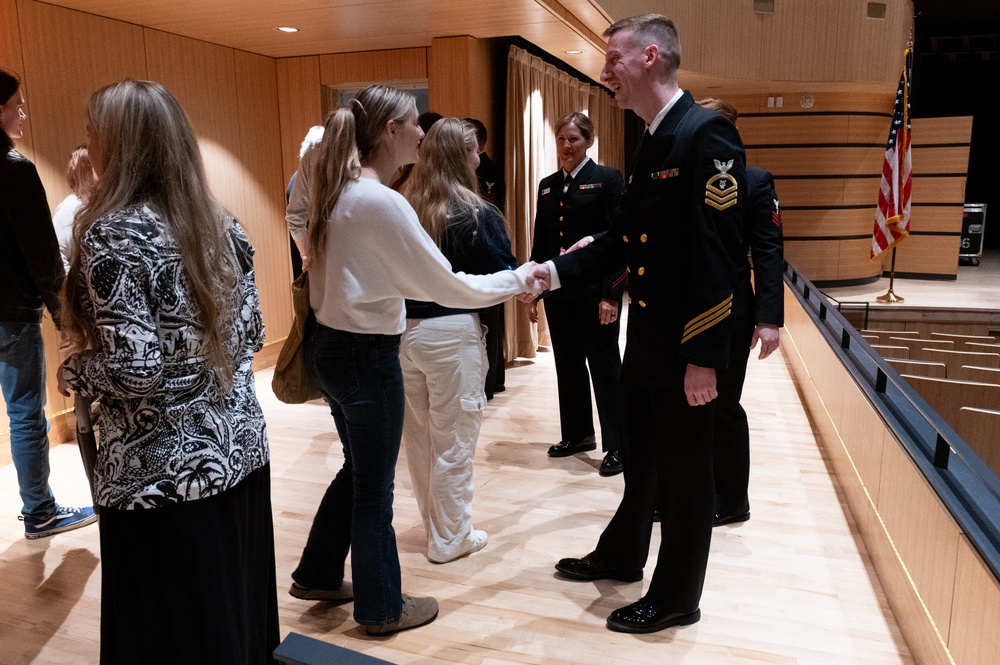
(576, 51)
(288, 29)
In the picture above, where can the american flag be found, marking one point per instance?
(892, 220)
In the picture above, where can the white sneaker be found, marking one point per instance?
(476, 541)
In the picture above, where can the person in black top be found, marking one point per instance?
(442, 351)
(31, 276)
(576, 201)
(758, 313)
(679, 233)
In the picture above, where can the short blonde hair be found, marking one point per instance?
(652, 29)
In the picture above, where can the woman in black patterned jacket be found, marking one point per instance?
(163, 309)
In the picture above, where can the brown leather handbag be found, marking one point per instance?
(293, 381)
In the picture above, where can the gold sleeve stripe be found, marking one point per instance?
(724, 305)
(705, 321)
(705, 326)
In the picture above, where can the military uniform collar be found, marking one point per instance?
(579, 167)
(664, 111)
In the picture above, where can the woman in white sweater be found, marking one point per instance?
(368, 252)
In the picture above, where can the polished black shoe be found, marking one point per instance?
(722, 520)
(592, 567)
(730, 512)
(643, 617)
(567, 448)
(612, 464)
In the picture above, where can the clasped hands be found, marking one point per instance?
(538, 279)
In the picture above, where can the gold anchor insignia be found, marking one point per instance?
(721, 189)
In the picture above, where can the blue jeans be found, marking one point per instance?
(22, 378)
(362, 381)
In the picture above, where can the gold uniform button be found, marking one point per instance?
(561, 234)
(630, 300)
(560, 204)
(642, 238)
(628, 269)
(642, 303)
(642, 271)
(560, 218)
(625, 238)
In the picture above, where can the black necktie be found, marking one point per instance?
(638, 153)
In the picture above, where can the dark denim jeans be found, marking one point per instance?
(22, 380)
(361, 380)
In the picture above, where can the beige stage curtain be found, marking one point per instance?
(538, 95)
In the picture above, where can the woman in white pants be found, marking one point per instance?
(442, 351)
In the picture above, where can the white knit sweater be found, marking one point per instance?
(377, 254)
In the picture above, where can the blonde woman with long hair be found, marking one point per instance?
(367, 253)
(161, 304)
(442, 353)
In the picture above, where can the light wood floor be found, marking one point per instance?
(792, 585)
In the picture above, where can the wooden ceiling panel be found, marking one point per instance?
(341, 26)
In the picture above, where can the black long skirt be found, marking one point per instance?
(192, 582)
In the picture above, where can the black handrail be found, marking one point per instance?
(967, 487)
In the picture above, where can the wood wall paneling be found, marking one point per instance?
(937, 218)
(734, 49)
(955, 129)
(262, 206)
(924, 533)
(799, 39)
(402, 65)
(299, 106)
(460, 79)
(926, 255)
(821, 261)
(871, 49)
(810, 160)
(976, 613)
(863, 433)
(810, 192)
(951, 160)
(202, 77)
(947, 189)
(826, 223)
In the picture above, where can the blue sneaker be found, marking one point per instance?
(65, 519)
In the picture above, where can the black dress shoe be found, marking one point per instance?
(644, 617)
(567, 448)
(612, 464)
(728, 511)
(592, 567)
(722, 520)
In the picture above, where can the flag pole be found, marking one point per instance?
(890, 296)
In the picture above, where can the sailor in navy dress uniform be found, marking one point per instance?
(576, 201)
(758, 313)
(680, 236)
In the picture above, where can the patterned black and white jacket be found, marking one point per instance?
(168, 430)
